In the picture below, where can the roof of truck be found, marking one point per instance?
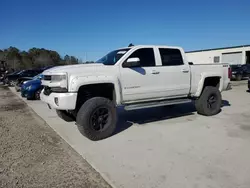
(150, 46)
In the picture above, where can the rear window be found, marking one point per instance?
(170, 57)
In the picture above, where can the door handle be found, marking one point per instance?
(185, 70)
(155, 72)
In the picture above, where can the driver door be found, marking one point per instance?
(141, 82)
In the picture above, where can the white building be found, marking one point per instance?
(232, 55)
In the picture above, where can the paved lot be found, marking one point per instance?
(174, 148)
(33, 155)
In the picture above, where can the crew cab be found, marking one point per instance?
(133, 77)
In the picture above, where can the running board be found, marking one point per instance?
(156, 104)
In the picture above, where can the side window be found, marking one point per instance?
(170, 57)
(146, 55)
(28, 72)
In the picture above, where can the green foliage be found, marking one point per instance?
(13, 58)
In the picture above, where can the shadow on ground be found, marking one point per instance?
(127, 119)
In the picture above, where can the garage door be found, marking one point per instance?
(232, 58)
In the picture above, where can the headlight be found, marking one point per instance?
(58, 78)
(29, 87)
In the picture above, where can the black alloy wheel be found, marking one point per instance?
(99, 119)
(37, 94)
(212, 101)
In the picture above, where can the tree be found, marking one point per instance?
(54, 56)
(33, 53)
(33, 58)
(13, 57)
(67, 59)
(26, 61)
(73, 60)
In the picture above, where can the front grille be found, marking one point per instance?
(47, 77)
(47, 90)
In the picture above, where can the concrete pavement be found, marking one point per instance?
(165, 147)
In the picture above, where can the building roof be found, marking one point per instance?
(248, 45)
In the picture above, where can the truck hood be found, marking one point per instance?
(80, 69)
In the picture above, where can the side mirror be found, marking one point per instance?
(132, 62)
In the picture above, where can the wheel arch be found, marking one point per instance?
(209, 80)
(78, 82)
(105, 89)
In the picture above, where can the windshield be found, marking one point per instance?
(39, 76)
(14, 73)
(112, 57)
(20, 72)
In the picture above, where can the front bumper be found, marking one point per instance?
(65, 101)
(23, 92)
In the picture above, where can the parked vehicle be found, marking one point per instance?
(11, 80)
(135, 77)
(240, 71)
(22, 80)
(31, 89)
(6, 74)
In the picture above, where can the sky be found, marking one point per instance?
(88, 29)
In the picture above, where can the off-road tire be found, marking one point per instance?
(37, 94)
(83, 119)
(63, 114)
(202, 104)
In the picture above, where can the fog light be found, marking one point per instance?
(56, 101)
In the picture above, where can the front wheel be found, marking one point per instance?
(37, 94)
(209, 103)
(96, 119)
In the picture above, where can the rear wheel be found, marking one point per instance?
(238, 77)
(209, 103)
(96, 119)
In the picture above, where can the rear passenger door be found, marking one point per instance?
(174, 74)
(140, 83)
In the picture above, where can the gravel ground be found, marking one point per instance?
(33, 155)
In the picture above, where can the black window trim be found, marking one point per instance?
(169, 65)
(140, 49)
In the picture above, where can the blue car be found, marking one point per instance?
(31, 89)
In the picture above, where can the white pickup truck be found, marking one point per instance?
(134, 77)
